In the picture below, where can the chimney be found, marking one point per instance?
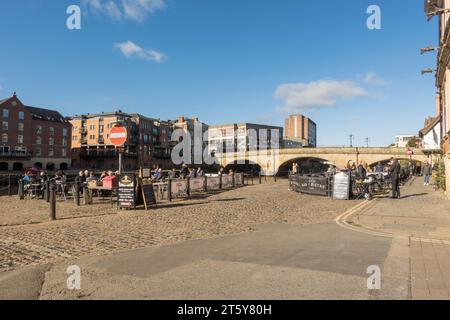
(438, 105)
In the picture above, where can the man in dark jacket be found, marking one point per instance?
(394, 170)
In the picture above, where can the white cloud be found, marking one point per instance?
(317, 94)
(136, 10)
(371, 78)
(130, 49)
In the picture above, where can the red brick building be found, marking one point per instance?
(31, 136)
(148, 143)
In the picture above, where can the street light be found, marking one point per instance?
(433, 8)
(428, 49)
(428, 70)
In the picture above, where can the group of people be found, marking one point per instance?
(185, 172)
(85, 176)
(393, 169)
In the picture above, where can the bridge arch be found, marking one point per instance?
(306, 165)
(243, 166)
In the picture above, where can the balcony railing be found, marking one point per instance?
(15, 154)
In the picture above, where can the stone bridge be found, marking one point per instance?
(271, 161)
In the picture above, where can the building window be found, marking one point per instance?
(39, 130)
(38, 152)
(38, 140)
(5, 125)
(50, 152)
(20, 139)
(51, 141)
(5, 138)
(64, 152)
(92, 127)
(64, 132)
(20, 126)
(6, 113)
(51, 131)
(64, 142)
(21, 115)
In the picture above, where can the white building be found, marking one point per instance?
(401, 141)
(431, 135)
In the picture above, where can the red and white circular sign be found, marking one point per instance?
(118, 136)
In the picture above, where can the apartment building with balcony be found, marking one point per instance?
(148, 144)
(32, 136)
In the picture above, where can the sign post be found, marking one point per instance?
(118, 136)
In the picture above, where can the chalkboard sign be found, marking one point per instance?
(294, 183)
(341, 186)
(127, 191)
(313, 185)
(147, 193)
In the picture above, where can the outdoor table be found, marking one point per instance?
(101, 188)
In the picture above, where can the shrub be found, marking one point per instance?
(439, 177)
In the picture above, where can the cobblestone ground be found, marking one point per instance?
(101, 230)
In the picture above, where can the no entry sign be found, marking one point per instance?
(118, 135)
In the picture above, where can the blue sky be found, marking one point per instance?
(226, 61)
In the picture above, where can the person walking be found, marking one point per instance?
(426, 172)
(394, 170)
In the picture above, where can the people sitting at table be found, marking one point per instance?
(379, 168)
(184, 171)
(173, 174)
(192, 173)
(200, 172)
(27, 178)
(59, 176)
(91, 177)
(103, 175)
(158, 174)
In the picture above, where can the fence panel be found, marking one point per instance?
(213, 183)
(239, 179)
(197, 184)
(227, 181)
(179, 187)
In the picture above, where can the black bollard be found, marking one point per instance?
(274, 178)
(205, 184)
(9, 185)
(260, 179)
(169, 190)
(47, 191)
(234, 180)
(21, 193)
(220, 182)
(77, 193)
(52, 203)
(188, 187)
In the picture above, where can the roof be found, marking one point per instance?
(4, 100)
(45, 114)
(430, 126)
